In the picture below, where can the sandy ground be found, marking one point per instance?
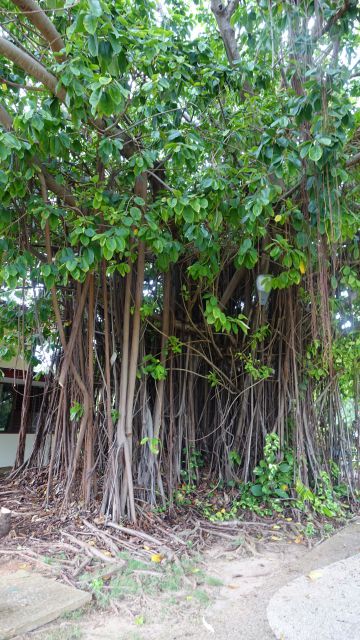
(238, 608)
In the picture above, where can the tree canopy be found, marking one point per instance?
(165, 168)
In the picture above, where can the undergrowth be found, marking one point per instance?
(276, 489)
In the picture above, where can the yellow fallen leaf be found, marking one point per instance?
(105, 552)
(156, 557)
(275, 526)
(298, 539)
(288, 519)
(25, 565)
(315, 575)
(275, 538)
(278, 218)
(302, 267)
(146, 547)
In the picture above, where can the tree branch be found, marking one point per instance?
(351, 162)
(5, 118)
(318, 32)
(41, 21)
(58, 189)
(223, 15)
(232, 6)
(31, 66)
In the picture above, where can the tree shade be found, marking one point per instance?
(158, 162)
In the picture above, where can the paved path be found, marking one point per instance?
(324, 604)
(28, 600)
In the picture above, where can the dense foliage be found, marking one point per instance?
(164, 169)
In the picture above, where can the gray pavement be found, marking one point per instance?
(28, 600)
(322, 605)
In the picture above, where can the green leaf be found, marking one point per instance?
(327, 142)
(256, 490)
(281, 493)
(93, 45)
(90, 23)
(284, 467)
(95, 8)
(315, 152)
(174, 134)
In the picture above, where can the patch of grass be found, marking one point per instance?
(212, 581)
(328, 530)
(138, 577)
(201, 596)
(75, 615)
(62, 633)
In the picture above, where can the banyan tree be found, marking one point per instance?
(179, 232)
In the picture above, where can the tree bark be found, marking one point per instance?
(32, 67)
(40, 20)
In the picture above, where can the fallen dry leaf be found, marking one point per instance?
(156, 557)
(315, 575)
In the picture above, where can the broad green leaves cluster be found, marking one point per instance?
(236, 179)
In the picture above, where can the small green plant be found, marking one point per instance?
(328, 529)
(273, 477)
(309, 530)
(153, 367)
(323, 501)
(270, 490)
(97, 587)
(254, 367)
(215, 316)
(213, 379)
(154, 444)
(76, 411)
(175, 345)
(234, 457)
(190, 475)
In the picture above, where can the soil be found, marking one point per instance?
(236, 609)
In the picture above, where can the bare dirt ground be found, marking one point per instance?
(230, 604)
